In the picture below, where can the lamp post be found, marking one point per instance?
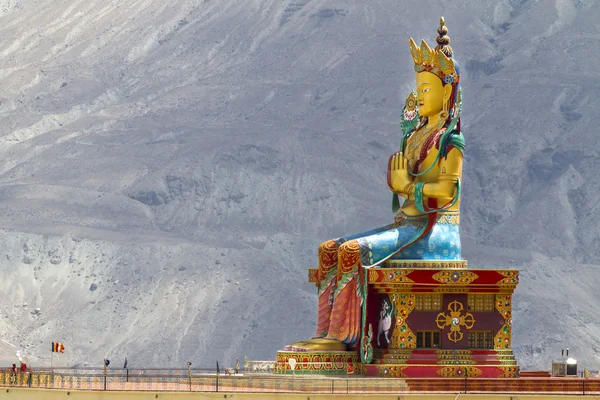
(189, 364)
(106, 364)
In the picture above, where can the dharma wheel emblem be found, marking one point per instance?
(455, 320)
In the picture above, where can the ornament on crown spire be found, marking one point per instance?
(443, 40)
(437, 61)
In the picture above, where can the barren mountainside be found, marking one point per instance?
(168, 169)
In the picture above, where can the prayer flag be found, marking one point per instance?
(58, 347)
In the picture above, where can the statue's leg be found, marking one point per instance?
(441, 243)
(334, 274)
(327, 276)
(345, 314)
(345, 320)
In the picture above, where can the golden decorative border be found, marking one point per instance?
(455, 277)
(502, 340)
(509, 372)
(450, 371)
(318, 362)
(454, 357)
(511, 278)
(312, 275)
(402, 336)
(392, 356)
(446, 353)
(444, 289)
(459, 372)
(441, 264)
(390, 275)
(392, 371)
(397, 271)
(401, 219)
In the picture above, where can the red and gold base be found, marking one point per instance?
(403, 364)
(476, 357)
(440, 371)
(433, 319)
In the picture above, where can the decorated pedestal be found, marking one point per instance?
(439, 319)
(429, 319)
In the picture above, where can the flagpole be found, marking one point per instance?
(52, 365)
(217, 386)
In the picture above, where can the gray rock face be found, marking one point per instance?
(233, 137)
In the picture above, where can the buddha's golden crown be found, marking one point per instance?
(437, 61)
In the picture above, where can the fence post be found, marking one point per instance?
(189, 364)
(347, 380)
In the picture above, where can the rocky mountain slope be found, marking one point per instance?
(167, 169)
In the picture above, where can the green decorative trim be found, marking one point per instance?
(412, 112)
(366, 347)
(419, 199)
(395, 203)
(331, 275)
(419, 196)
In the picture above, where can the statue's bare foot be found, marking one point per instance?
(317, 344)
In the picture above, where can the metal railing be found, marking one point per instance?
(206, 380)
(260, 366)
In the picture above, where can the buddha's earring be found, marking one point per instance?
(443, 116)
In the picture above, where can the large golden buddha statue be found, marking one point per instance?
(426, 172)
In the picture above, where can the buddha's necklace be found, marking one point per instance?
(415, 141)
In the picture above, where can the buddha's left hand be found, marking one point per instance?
(397, 176)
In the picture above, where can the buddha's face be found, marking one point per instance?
(431, 94)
